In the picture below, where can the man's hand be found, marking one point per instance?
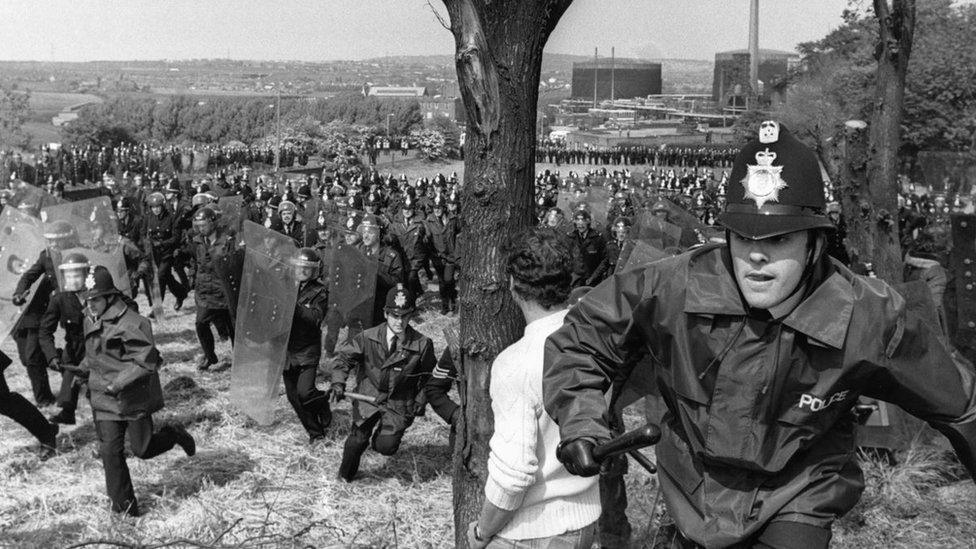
(473, 541)
(55, 365)
(337, 391)
(577, 457)
(19, 299)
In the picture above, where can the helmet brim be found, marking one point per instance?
(759, 226)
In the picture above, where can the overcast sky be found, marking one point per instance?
(316, 30)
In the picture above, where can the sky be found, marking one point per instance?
(323, 30)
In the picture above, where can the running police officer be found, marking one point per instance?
(391, 363)
(760, 348)
(211, 245)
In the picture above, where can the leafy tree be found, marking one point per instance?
(14, 111)
(432, 144)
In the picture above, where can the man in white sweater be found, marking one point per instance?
(530, 498)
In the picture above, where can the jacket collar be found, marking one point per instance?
(410, 339)
(823, 315)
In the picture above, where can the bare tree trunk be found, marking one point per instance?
(871, 204)
(498, 57)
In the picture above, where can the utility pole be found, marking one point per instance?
(278, 130)
(612, 76)
(754, 49)
(596, 68)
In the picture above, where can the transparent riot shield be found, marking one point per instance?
(21, 242)
(95, 234)
(948, 172)
(30, 199)
(265, 311)
(598, 202)
(657, 231)
(639, 253)
(231, 213)
(352, 286)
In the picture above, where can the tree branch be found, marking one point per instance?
(437, 14)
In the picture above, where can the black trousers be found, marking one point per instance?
(310, 404)
(446, 274)
(166, 279)
(144, 445)
(19, 409)
(385, 437)
(776, 535)
(29, 350)
(220, 318)
(68, 394)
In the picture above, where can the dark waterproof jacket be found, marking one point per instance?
(413, 239)
(759, 424)
(443, 236)
(210, 290)
(120, 352)
(397, 380)
(305, 341)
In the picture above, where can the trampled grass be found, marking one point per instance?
(253, 486)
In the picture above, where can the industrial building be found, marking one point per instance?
(615, 79)
(730, 83)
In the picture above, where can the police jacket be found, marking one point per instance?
(588, 251)
(66, 309)
(389, 272)
(43, 268)
(120, 352)
(443, 236)
(439, 385)
(412, 237)
(295, 230)
(210, 254)
(759, 424)
(397, 379)
(162, 234)
(305, 341)
(609, 264)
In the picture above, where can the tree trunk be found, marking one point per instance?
(871, 204)
(498, 57)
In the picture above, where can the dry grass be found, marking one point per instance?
(252, 486)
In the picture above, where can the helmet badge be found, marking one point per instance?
(763, 182)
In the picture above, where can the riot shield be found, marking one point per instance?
(21, 241)
(352, 286)
(231, 213)
(598, 202)
(948, 172)
(30, 199)
(657, 231)
(96, 236)
(265, 311)
(639, 253)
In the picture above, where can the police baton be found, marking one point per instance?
(361, 397)
(629, 443)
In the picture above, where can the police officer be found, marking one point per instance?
(121, 366)
(412, 236)
(443, 230)
(305, 348)
(211, 245)
(588, 246)
(59, 235)
(390, 271)
(66, 308)
(621, 232)
(391, 363)
(760, 347)
(19, 409)
(287, 225)
(161, 240)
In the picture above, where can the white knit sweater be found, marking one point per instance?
(523, 472)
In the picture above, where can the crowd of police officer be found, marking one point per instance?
(558, 152)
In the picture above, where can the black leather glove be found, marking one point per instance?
(19, 299)
(338, 391)
(577, 457)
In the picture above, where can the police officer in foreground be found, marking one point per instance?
(760, 348)
(305, 348)
(391, 363)
(121, 366)
(211, 246)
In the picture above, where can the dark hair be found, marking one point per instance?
(539, 261)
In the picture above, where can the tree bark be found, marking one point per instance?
(871, 204)
(498, 58)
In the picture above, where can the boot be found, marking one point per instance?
(49, 443)
(66, 417)
(184, 439)
(204, 363)
(352, 453)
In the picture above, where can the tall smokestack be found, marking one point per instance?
(596, 64)
(754, 47)
(612, 75)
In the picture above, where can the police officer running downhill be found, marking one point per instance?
(760, 348)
